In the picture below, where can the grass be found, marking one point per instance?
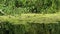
(31, 18)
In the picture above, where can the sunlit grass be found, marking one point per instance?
(32, 18)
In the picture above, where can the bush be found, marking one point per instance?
(30, 24)
(29, 28)
(30, 6)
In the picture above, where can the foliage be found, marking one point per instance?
(29, 28)
(30, 24)
(29, 6)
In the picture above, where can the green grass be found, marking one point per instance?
(31, 18)
(30, 24)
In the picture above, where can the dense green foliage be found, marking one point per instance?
(29, 28)
(30, 24)
(29, 6)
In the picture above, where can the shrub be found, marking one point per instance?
(30, 6)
